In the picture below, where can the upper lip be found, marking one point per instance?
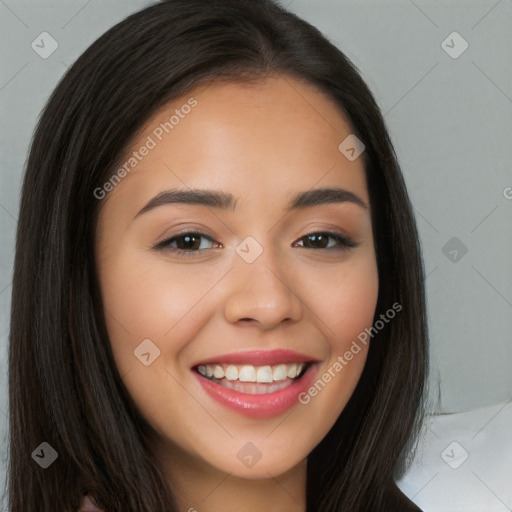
(258, 358)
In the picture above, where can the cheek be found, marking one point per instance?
(345, 301)
(166, 306)
(152, 300)
(344, 298)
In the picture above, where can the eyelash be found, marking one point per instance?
(344, 242)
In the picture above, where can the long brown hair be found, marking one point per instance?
(64, 387)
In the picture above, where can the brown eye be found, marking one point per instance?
(320, 240)
(188, 242)
(185, 243)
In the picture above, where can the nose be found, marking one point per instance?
(262, 293)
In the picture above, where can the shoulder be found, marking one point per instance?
(396, 501)
(89, 505)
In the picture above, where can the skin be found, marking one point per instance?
(263, 142)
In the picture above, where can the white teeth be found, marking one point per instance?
(232, 373)
(218, 372)
(255, 388)
(264, 374)
(249, 373)
(292, 371)
(280, 372)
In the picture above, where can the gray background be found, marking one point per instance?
(449, 118)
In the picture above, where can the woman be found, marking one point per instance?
(221, 266)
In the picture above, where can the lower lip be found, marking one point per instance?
(258, 406)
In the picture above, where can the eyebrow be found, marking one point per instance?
(226, 201)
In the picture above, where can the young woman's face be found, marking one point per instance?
(267, 290)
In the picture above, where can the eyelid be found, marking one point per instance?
(344, 242)
(164, 244)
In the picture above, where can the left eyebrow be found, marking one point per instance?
(318, 196)
(225, 201)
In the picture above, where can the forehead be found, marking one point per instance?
(267, 138)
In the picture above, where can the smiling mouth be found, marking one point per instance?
(254, 380)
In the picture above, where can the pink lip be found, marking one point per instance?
(259, 358)
(258, 406)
